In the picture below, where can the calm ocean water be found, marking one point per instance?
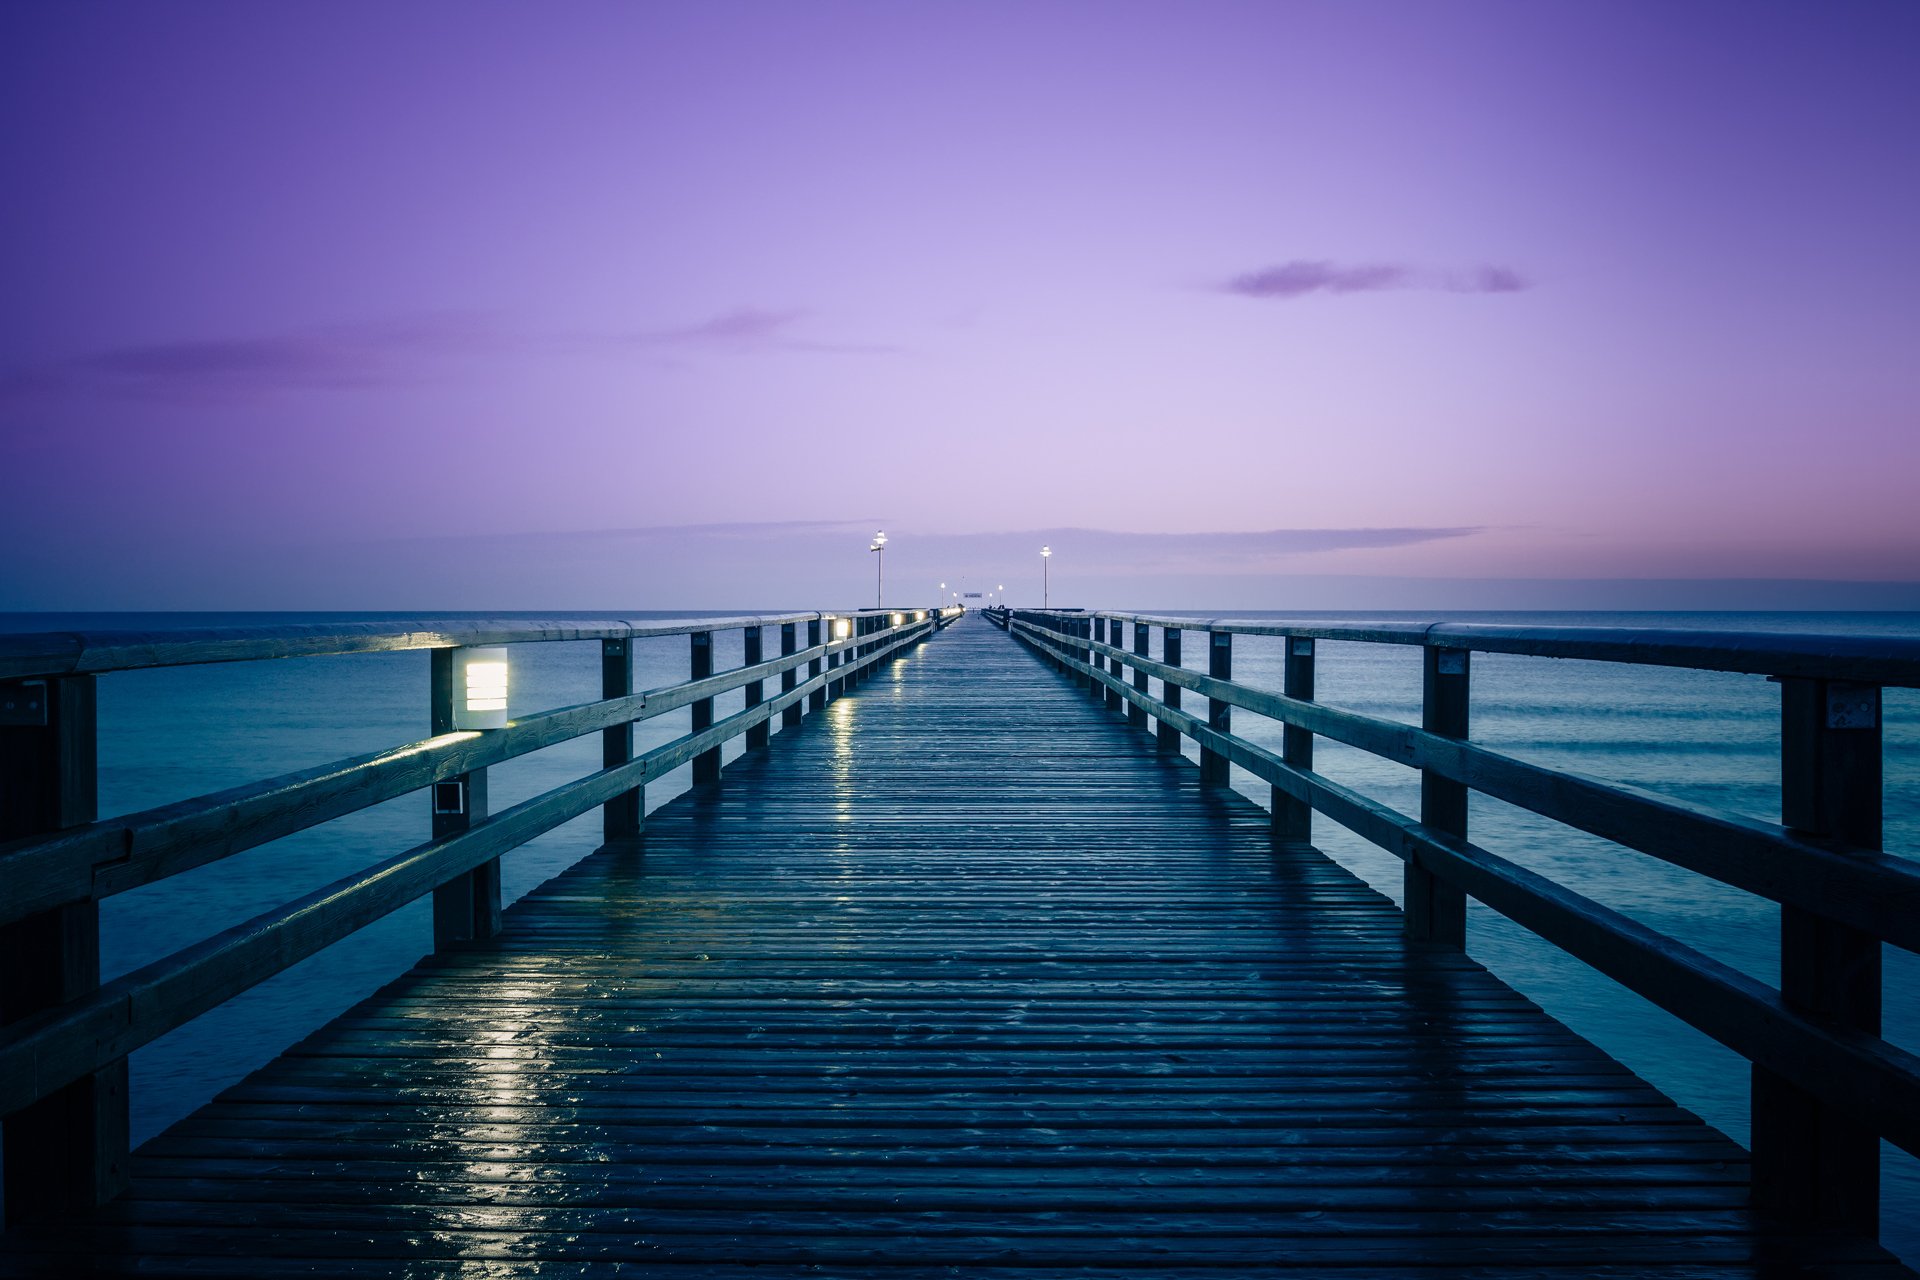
(170, 734)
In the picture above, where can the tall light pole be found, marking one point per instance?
(943, 591)
(1046, 594)
(879, 547)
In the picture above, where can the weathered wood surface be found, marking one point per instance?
(1885, 660)
(967, 979)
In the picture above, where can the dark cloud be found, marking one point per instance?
(748, 328)
(1301, 277)
(741, 325)
(228, 369)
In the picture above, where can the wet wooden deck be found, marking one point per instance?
(961, 977)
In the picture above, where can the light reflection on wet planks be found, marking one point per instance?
(960, 978)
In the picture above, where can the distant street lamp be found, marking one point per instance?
(943, 587)
(1046, 593)
(879, 566)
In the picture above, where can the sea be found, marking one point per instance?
(1711, 738)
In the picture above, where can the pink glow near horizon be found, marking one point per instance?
(1628, 290)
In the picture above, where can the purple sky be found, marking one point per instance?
(362, 305)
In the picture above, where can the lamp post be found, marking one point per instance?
(943, 591)
(1046, 594)
(879, 547)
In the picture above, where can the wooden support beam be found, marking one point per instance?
(67, 1152)
(752, 643)
(817, 700)
(1214, 767)
(623, 816)
(1436, 911)
(706, 765)
(1293, 817)
(1109, 633)
(1169, 737)
(466, 908)
(790, 678)
(1136, 714)
(1810, 1165)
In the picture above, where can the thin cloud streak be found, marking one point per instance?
(399, 352)
(1301, 277)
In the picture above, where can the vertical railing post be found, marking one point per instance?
(706, 765)
(1293, 818)
(1436, 911)
(752, 646)
(622, 816)
(1137, 714)
(818, 698)
(466, 907)
(1811, 1164)
(1169, 737)
(1112, 638)
(1213, 765)
(68, 1151)
(790, 678)
(1083, 631)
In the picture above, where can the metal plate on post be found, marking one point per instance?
(1853, 706)
(1450, 662)
(24, 704)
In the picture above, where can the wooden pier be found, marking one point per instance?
(964, 974)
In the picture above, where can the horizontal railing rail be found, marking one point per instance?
(97, 652)
(1826, 1085)
(1890, 660)
(64, 1046)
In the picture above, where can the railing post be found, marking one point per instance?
(816, 700)
(706, 765)
(1112, 638)
(1435, 910)
(622, 816)
(790, 678)
(68, 1151)
(1811, 1164)
(752, 645)
(1083, 631)
(1213, 765)
(1292, 818)
(1169, 737)
(1136, 714)
(466, 907)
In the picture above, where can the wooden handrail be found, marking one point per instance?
(75, 1044)
(1844, 1073)
(112, 856)
(1867, 888)
(41, 1055)
(1878, 660)
(96, 652)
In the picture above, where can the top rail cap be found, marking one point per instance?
(1881, 660)
(60, 653)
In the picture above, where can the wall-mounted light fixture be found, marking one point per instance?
(898, 619)
(480, 688)
(842, 628)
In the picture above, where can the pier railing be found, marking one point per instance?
(1825, 1085)
(65, 1035)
